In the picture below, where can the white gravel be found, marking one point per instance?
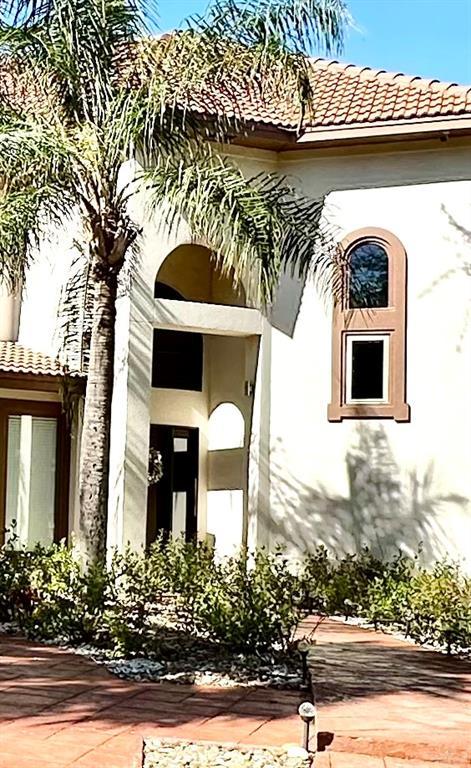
(168, 754)
(203, 669)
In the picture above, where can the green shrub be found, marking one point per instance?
(187, 570)
(66, 602)
(46, 592)
(16, 595)
(439, 607)
(316, 579)
(178, 593)
(253, 603)
(386, 601)
(130, 603)
(430, 606)
(344, 586)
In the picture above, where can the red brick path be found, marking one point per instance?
(58, 709)
(384, 703)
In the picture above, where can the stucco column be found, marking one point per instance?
(129, 446)
(258, 513)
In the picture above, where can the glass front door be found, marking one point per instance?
(31, 479)
(172, 501)
(34, 472)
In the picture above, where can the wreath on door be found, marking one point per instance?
(155, 470)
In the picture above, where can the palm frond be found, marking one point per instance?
(241, 52)
(33, 153)
(267, 43)
(80, 41)
(36, 189)
(23, 223)
(297, 25)
(106, 92)
(75, 312)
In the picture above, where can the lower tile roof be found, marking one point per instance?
(15, 358)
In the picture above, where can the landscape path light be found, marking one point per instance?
(304, 647)
(307, 713)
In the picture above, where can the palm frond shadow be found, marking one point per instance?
(382, 508)
(460, 270)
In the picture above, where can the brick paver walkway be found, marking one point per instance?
(384, 703)
(58, 709)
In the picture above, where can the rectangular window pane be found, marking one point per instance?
(180, 444)
(179, 514)
(367, 370)
(31, 479)
(177, 360)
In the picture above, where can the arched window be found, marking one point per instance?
(369, 330)
(226, 428)
(368, 276)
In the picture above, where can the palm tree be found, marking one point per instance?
(86, 86)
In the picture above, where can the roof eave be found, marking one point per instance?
(47, 382)
(262, 135)
(386, 131)
(278, 138)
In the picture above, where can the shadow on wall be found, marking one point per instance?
(286, 307)
(382, 509)
(460, 235)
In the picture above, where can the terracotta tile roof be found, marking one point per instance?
(346, 95)
(14, 358)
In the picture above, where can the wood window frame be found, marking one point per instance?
(44, 409)
(390, 321)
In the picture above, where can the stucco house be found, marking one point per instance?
(344, 425)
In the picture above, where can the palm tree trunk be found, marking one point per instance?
(97, 414)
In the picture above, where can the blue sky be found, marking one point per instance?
(431, 38)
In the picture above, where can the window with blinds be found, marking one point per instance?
(31, 479)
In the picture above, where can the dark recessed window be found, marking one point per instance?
(164, 291)
(367, 368)
(177, 360)
(368, 277)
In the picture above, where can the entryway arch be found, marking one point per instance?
(194, 273)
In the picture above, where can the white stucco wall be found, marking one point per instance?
(378, 482)
(44, 280)
(309, 480)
